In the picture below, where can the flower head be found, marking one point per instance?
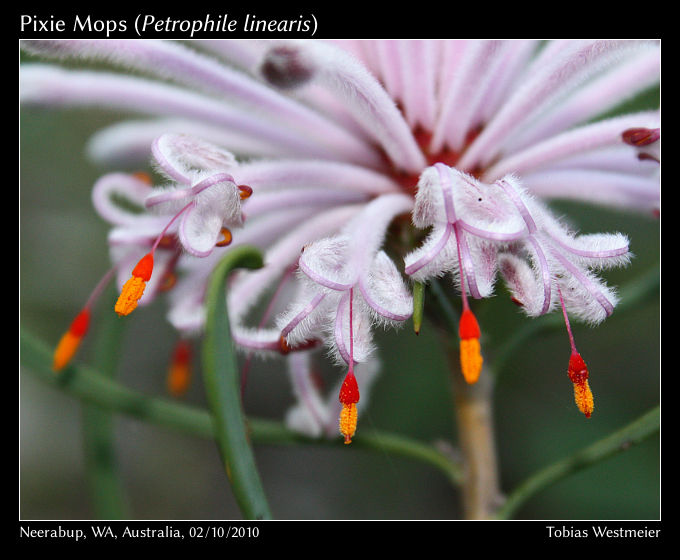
(336, 142)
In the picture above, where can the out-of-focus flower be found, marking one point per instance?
(338, 142)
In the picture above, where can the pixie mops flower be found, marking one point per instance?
(340, 143)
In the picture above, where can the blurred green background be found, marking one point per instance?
(167, 475)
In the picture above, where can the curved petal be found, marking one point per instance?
(304, 319)
(436, 256)
(181, 157)
(384, 290)
(324, 262)
(199, 230)
(119, 198)
(525, 284)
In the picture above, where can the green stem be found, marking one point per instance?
(636, 432)
(88, 385)
(106, 488)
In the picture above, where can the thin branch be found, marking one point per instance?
(87, 384)
(635, 432)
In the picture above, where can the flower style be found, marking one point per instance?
(336, 142)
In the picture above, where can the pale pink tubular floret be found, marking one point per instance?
(565, 259)
(42, 84)
(249, 287)
(466, 94)
(127, 142)
(552, 78)
(364, 96)
(622, 82)
(203, 190)
(531, 259)
(580, 140)
(350, 263)
(173, 61)
(445, 195)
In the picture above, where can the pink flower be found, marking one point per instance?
(339, 141)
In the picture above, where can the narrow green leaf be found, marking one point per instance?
(221, 373)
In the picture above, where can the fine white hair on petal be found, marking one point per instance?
(524, 283)
(263, 342)
(199, 230)
(600, 95)
(324, 263)
(385, 292)
(466, 94)
(173, 61)
(572, 142)
(304, 318)
(358, 342)
(586, 297)
(128, 142)
(429, 205)
(185, 158)
(609, 188)
(435, 257)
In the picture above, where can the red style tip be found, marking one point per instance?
(578, 371)
(641, 136)
(468, 327)
(81, 323)
(144, 267)
(349, 392)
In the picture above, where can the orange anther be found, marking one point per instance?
(143, 176)
(226, 238)
(348, 421)
(245, 191)
(70, 341)
(134, 288)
